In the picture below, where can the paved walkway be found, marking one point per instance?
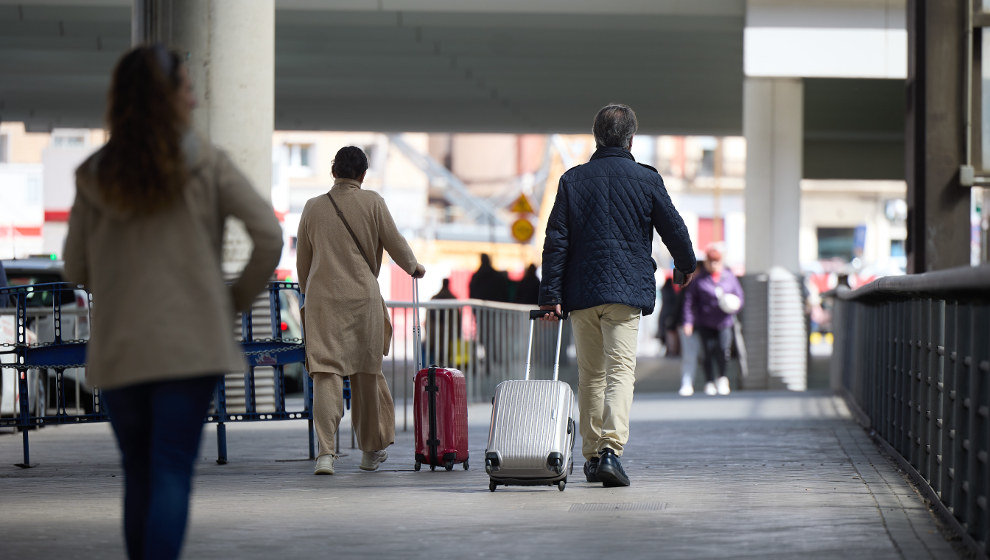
(750, 475)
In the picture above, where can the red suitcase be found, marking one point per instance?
(440, 418)
(439, 408)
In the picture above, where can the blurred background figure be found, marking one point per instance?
(490, 285)
(528, 288)
(666, 323)
(487, 283)
(443, 332)
(148, 218)
(710, 303)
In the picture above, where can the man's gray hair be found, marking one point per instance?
(615, 125)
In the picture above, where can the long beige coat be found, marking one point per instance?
(161, 309)
(347, 328)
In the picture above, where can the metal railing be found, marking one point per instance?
(39, 372)
(912, 354)
(485, 340)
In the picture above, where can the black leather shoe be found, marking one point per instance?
(591, 470)
(610, 471)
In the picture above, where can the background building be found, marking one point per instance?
(430, 179)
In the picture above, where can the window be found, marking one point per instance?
(837, 243)
(709, 151)
(983, 72)
(68, 141)
(897, 248)
(300, 159)
(69, 138)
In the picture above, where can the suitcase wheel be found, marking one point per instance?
(417, 465)
(465, 465)
(561, 484)
(492, 486)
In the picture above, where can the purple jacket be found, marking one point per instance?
(701, 305)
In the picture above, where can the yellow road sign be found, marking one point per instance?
(522, 230)
(522, 206)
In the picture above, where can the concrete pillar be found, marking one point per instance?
(938, 206)
(230, 55)
(773, 113)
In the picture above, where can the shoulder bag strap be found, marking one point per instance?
(351, 231)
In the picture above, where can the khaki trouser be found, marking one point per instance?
(372, 411)
(605, 339)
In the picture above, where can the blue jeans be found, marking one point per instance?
(158, 428)
(689, 356)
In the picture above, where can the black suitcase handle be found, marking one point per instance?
(539, 313)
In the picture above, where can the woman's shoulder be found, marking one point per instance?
(313, 202)
(370, 200)
(199, 152)
(369, 196)
(87, 170)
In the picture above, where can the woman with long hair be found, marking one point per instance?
(145, 238)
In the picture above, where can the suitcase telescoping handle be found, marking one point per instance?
(418, 355)
(533, 316)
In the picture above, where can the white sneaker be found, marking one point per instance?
(370, 460)
(723, 385)
(710, 389)
(324, 465)
(686, 391)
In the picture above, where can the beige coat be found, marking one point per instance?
(347, 328)
(161, 309)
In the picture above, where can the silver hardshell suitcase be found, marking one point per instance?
(531, 437)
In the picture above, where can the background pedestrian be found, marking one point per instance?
(709, 306)
(341, 236)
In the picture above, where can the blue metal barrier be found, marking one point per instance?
(277, 351)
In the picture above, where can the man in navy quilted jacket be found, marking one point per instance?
(598, 267)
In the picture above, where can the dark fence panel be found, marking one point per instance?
(912, 355)
(43, 356)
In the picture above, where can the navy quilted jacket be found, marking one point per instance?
(599, 241)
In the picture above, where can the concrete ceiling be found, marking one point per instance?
(420, 65)
(505, 71)
(854, 128)
(470, 66)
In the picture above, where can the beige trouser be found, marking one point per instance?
(372, 411)
(605, 340)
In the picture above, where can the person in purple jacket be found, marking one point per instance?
(710, 302)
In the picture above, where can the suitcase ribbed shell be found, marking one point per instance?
(530, 420)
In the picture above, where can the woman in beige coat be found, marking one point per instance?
(346, 323)
(144, 237)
